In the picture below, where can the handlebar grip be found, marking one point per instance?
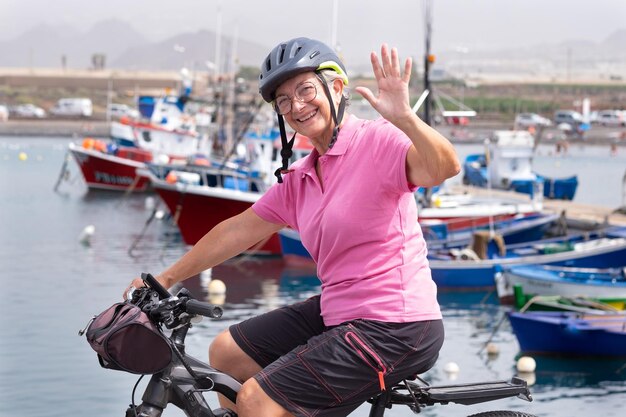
(155, 285)
(203, 309)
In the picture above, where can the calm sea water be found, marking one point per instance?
(51, 284)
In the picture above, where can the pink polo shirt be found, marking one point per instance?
(361, 228)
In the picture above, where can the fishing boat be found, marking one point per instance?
(572, 334)
(166, 133)
(579, 303)
(559, 280)
(108, 167)
(451, 234)
(475, 268)
(512, 230)
(199, 198)
(197, 207)
(507, 165)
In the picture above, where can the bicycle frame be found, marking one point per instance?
(184, 381)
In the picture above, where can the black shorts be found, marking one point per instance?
(313, 370)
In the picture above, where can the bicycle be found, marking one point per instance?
(185, 379)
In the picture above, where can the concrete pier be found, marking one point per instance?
(577, 212)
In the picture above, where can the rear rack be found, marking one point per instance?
(467, 394)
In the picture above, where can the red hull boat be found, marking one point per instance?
(112, 172)
(197, 209)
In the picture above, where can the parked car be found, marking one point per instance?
(4, 113)
(116, 111)
(525, 120)
(28, 110)
(611, 118)
(571, 117)
(73, 107)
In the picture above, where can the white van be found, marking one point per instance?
(73, 107)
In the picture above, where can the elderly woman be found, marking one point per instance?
(377, 320)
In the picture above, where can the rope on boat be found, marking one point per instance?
(62, 174)
(130, 189)
(133, 246)
(493, 332)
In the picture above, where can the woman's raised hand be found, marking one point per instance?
(392, 101)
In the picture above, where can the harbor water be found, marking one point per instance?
(55, 276)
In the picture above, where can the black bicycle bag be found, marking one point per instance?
(125, 339)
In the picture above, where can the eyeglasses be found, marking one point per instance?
(304, 93)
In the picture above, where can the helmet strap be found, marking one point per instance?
(337, 116)
(286, 151)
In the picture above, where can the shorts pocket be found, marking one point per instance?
(343, 363)
(368, 354)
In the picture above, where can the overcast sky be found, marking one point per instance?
(363, 24)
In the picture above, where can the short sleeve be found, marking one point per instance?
(391, 146)
(275, 205)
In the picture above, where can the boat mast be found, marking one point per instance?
(428, 59)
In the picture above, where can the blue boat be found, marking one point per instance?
(571, 334)
(556, 280)
(507, 165)
(466, 270)
(517, 229)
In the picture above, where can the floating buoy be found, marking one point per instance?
(492, 350)
(526, 364)
(171, 178)
(22, 156)
(452, 370)
(217, 299)
(217, 287)
(159, 215)
(86, 234)
(149, 203)
(88, 143)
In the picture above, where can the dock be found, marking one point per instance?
(582, 214)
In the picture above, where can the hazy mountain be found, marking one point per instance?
(125, 48)
(192, 50)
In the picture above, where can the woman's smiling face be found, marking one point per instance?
(312, 119)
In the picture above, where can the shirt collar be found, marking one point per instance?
(346, 133)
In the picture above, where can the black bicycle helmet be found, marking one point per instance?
(294, 57)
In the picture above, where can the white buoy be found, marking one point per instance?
(86, 234)
(217, 287)
(159, 214)
(149, 203)
(526, 364)
(452, 370)
(492, 349)
(217, 299)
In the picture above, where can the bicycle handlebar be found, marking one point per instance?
(191, 306)
(155, 285)
(203, 309)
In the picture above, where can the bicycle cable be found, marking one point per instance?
(132, 396)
